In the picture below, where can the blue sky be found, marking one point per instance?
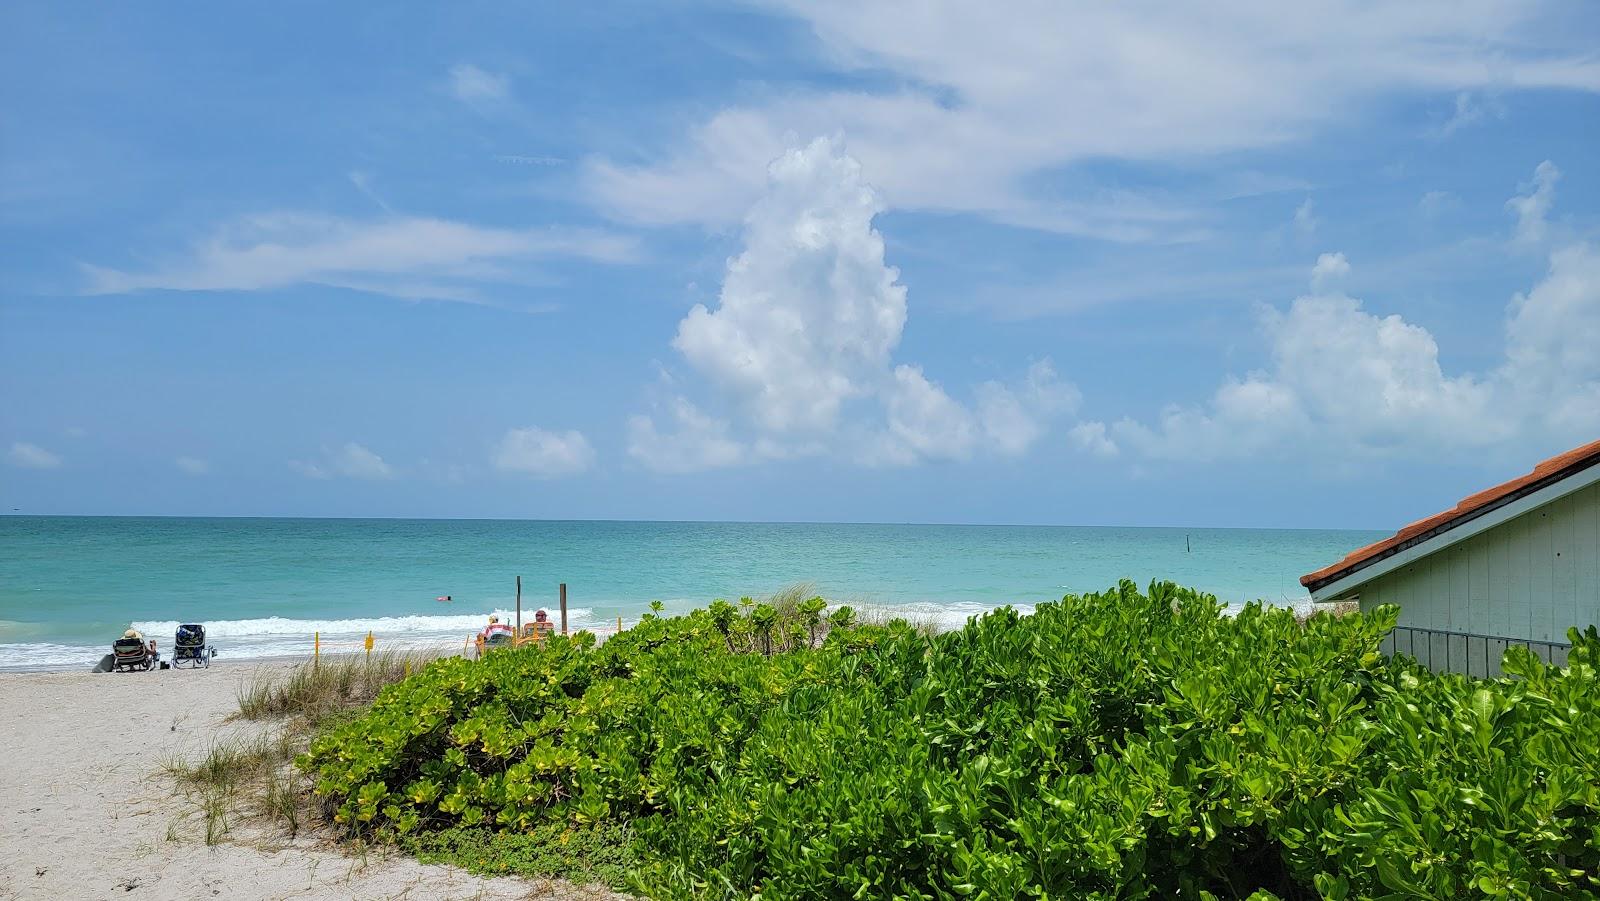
(1320, 265)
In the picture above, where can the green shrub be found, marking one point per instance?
(586, 854)
(1113, 745)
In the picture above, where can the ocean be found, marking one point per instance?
(264, 587)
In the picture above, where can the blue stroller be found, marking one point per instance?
(189, 646)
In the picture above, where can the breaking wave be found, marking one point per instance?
(277, 636)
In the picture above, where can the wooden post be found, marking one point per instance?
(563, 608)
(619, 625)
(518, 636)
(316, 648)
(369, 645)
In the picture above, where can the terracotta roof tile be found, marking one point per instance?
(1551, 470)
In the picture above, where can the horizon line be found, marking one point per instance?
(17, 514)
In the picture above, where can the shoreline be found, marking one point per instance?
(945, 615)
(277, 661)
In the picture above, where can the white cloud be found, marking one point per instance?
(924, 422)
(1091, 438)
(473, 85)
(408, 257)
(1471, 107)
(696, 442)
(192, 465)
(1346, 381)
(802, 339)
(32, 456)
(352, 461)
(1533, 209)
(966, 105)
(542, 453)
(1305, 219)
(1330, 267)
(1553, 342)
(1014, 417)
(809, 313)
(358, 462)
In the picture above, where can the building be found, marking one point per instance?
(1518, 563)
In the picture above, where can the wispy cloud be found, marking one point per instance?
(407, 257)
(543, 454)
(1345, 381)
(1305, 219)
(32, 456)
(353, 461)
(522, 159)
(1329, 268)
(1533, 209)
(694, 441)
(363, 183)
(473, 85)
(978, 104)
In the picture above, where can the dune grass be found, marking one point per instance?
(255, 772)
(313, 691)
(230, 771)
(231, 761)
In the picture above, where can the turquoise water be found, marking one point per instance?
(68, 585)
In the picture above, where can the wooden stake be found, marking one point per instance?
(563, 608)
(519, 611)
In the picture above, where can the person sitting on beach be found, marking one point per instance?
(496, 628)
(541, 625)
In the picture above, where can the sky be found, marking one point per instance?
(1331, 264)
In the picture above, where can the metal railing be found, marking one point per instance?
(1468, 653)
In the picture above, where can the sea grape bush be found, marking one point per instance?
(1124, 744)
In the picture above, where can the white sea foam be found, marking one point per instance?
(462, 623)
(945, 615)
(276, 636)
(46, 655)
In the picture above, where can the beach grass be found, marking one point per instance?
(231, 762)
(254, 772)
(233, 770)
(314, 691)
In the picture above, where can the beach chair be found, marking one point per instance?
(494, 640)
(131, 654)
(189, 647)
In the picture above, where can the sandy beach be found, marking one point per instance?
(88, 813)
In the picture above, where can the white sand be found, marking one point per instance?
(87, 813)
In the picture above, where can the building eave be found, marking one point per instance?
(1482, 519)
